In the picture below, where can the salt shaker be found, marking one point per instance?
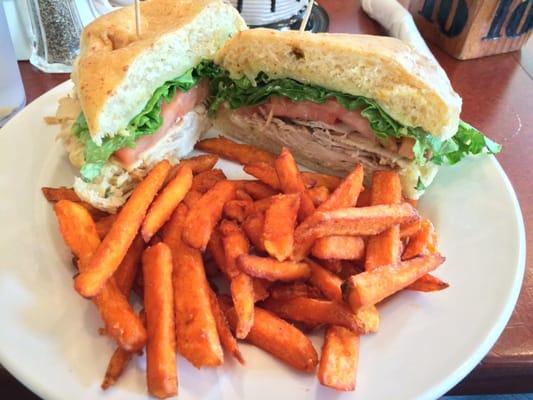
(56, 27)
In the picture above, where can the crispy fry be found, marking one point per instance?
(242, 194)
(291, 181)
(283, 291)
(346, 193)
(328, 283)
(409, 229)
(235, 244)
(339, 248)
(318, 194)
(384, 248)
(280, 220)
(314, 179)
(191, 198)
(242, 293)
(159, 308)
(103, 225)
(215, 247)
(127, 270)
(367, 319)
(349, 221)
(119, 360)
(338, 362)
(280, 339)
(113, 248)
(204, 181)
(230, 150)
(428, 283)
(197, 164)
(206, 213)
(238, 209)
(79, 232)
(266, 174)
(196, 332)
(258, 190)
(272, 270)
(253, 226)
(421, 242)
(166, 202)
(369, 288)
(61, 193)
(314, 311)
(227, 339)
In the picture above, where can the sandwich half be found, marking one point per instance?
(140, 99)
(336, 99)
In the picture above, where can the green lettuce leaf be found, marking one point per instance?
(244, 92)
(144, 123)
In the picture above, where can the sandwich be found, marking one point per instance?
(336, 100)
(139, 99)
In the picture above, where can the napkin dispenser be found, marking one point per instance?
(474, 28)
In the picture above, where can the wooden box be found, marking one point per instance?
(474, 28)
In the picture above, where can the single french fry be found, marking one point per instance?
(253, 226)
(367, 319)
(159, 307)
(61, 193)
(103, 225)
(347, 192)
(280, 339)
(127, 270)
(314, 311)
(205, 214)
(349, 221)
(327, 282)
(314, 179)
(238, 210)
(227, 339)
(272, 270)
(197, 164)
(230, 150)
(266, 174)
(339, 248)
(282, 291)
(384, 248)
(280, 221)
(421, 242)
(191, 198)
(118, 362)
(291, 181)
(166, 202)
(242, 293)
(196, 331)
(258, 190)
(204, 181)
(242, 194)
(318, 194)
(113, 248)
(409, 229)
(215, 247)
(428, 283)
(370, 287)
(79, 232)
(234, 243)
(338, 362)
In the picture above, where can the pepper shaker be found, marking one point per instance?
(56, 27)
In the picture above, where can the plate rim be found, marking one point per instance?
(437, 390)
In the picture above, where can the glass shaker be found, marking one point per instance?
(12, 96)
(56, 27)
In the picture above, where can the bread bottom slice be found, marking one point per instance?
(321, 148)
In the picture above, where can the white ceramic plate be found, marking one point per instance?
(426, 342)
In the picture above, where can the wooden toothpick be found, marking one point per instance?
(307, 15)
(138, 17)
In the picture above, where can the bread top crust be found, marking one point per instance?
(109, 48)
(410, 87)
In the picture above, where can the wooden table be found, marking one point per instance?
(498, 99)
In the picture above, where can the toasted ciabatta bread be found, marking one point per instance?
(117, 72)
(411, 88)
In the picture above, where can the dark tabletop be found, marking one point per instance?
(497, 96)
